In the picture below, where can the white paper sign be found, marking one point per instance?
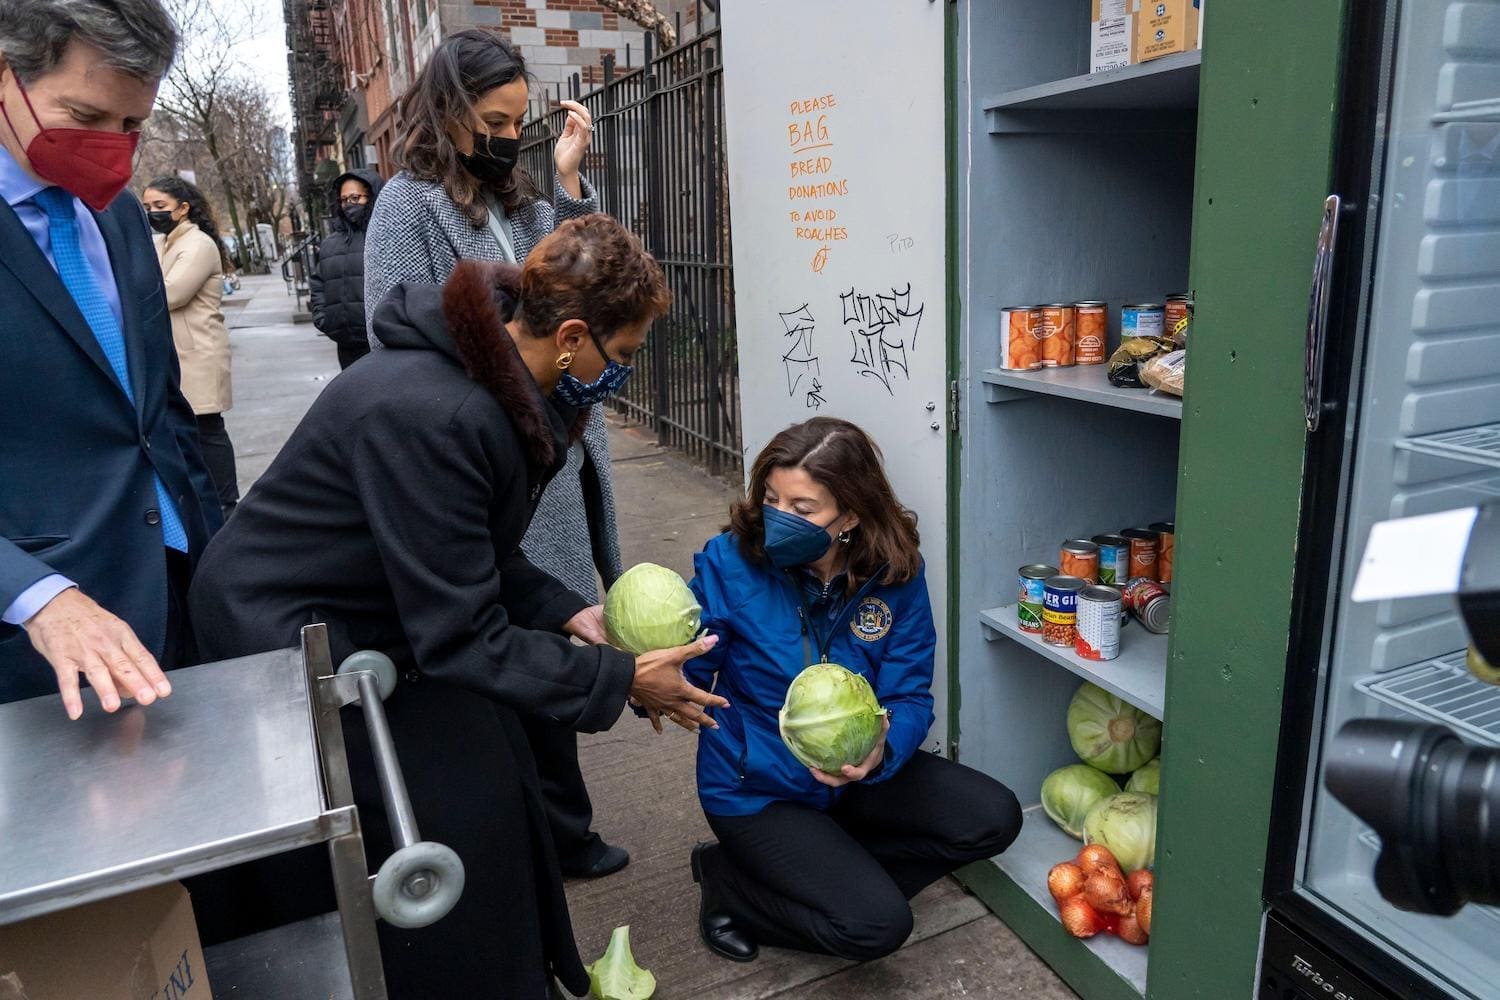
(1414, 556)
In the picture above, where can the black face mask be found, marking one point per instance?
(357, 215)
(493, 159)
(162, 222)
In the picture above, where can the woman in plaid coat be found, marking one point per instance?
(460, 195)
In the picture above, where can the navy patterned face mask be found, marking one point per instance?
(573, 391)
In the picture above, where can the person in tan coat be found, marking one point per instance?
(193, 265)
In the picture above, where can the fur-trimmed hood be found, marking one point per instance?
(465, 319)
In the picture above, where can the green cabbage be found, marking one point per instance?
(830, 718)
(1110, 734)
(1070, 792)
(1147, 778)
(650, 608)
(1126, 824)
(615, 976)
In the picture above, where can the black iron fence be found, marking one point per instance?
(657, 162)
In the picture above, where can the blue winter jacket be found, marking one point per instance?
(884, 633)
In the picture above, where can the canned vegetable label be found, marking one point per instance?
(1091, 320)
(1145, 546)
(1060, 612)
(1142, 320)
(1080, 558)
(1019, 350)
(1056, 333)
(1033, 596)
(1098, 636)
(1166, 550)
(1149, 603)
(1114, 559)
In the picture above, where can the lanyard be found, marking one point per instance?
(810, 631)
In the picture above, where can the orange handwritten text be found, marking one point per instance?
(811, 130)
(813, 104)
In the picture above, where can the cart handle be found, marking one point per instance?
(422, 880)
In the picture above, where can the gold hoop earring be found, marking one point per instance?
(564, 360)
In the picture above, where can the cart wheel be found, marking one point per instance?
(418, 885)
(378, 664)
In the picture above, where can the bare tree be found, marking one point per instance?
(647, 15)
(194, 91)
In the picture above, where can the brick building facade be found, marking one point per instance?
(381, 44)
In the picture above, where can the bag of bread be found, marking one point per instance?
(1166, 372)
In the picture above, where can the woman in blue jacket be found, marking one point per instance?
(821, 564)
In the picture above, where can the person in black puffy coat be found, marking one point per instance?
(338, 284)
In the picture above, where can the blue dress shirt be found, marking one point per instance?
(18, 188)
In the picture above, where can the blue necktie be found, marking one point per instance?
(76, 274)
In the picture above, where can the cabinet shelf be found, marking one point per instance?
(1441, 690)
(1085, 382)
(1160, 92)
(1138, 675)
(1041, 845)
(1479, 445)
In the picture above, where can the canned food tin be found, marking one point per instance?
(1019, 349)
(1142, 319)
(1114, 559)
(1166, 551)
(1150, 604)
(1033, 596)
(1091, 323)
(1145, 547)
(1080, 558)
(1178, 316)
(1060, 614)
(1056, 334)
(1099, 610)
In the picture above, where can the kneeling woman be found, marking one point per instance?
(395, 514)
(821, 563)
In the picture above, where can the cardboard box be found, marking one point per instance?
(1112, 36)
(142, 946)
(1166, 27)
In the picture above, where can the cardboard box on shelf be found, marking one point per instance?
(1112, 34)
(1166, 27)
(141, 946)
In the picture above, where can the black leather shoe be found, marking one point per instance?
(720, 932)
(610, 861)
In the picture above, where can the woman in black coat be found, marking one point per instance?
(338, 283)
(395, 514)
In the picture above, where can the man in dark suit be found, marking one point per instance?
(104, 498)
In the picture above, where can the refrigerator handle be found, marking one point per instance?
(1317, 313)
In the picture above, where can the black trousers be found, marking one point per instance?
(838, 882)
(350, 353)
(218, 455)
(570, 812)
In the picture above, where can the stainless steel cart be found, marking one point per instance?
(245, 760)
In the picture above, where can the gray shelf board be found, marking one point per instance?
(1085, 382)
(1026, 862)
(1168, 83)
(301, 961)
(1138, 675)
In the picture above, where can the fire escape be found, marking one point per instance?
(317, 85)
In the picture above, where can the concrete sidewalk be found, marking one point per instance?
(642, 784)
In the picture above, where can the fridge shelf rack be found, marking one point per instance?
(1138, 675)
(1441, 690)
(1479, 445)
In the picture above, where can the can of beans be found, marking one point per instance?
(1142, 319)
(1099, 610)
(1080, 558)
(1114, 559)
(1150, 604)
(1178, 317)
(1033, 596)
(1060, 613)
(1019, 349)
(1145, 547)
(1166, 550)
(1091, 321)
(1056, 335)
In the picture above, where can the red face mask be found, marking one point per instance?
(95, 166)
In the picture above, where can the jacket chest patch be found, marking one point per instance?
(872, 620)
